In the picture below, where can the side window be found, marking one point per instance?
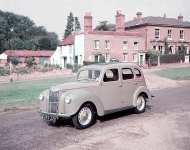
(111, 75)
(127, 74)
(137, 72)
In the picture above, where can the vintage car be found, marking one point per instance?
(99, 89)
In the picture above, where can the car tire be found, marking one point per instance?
(140, 104)
(85, 117)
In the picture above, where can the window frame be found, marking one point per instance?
(136, 74)
(157, 30)
(125, 45)
(131, 72)
(107, 44)
(96, 44)
(181, 34)
(169, 33)
(118, 76)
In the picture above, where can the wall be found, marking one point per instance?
(116, 46)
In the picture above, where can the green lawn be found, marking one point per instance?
(26, 92)
(175, 73)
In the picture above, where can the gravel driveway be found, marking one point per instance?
(164, 126)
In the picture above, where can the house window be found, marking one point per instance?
(169, 34)
(125, 45)
(154, 47)
(107, 44)
(107, 57)
(136, 45)
(181, 32)
(125, 57)
(157, 33)
(160, 48)
(97, 44)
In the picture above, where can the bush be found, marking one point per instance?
(69, 66)
(169, 58)
(152, 57)
(14, 60)
(22, 70)
(30, 61)
(4, 71)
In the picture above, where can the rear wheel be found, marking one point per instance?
(140, 104)
(85, 117)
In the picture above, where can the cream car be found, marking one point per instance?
(98, 90)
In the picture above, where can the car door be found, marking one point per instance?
(110, 92)
(128, 86)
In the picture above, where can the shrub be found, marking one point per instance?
(69, 66)
(14, 60)
(152, 57)
(169, 58)
(30, 61)
(4, 71)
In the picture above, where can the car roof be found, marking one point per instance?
(101, 66)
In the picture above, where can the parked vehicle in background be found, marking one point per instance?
(99, 89)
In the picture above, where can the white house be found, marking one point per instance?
(72, 46)
(3, 58)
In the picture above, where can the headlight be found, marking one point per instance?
(68, 99)
(41, 97)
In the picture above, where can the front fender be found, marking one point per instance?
(141, 89)
(79, 97)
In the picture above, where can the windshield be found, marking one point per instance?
(89, 74)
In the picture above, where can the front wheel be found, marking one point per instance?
(85, 117)
(140, 104)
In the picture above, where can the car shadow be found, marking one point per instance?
(121, 114)
(67, 122)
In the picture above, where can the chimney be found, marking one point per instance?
(180, 17)
(88, 22)
(120, 21)
(139, 15)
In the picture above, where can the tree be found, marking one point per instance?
(105, 26)
(182, 52)
(70, 25)
(30, 61)
(20, 32)
(14, 60)
(77, 24)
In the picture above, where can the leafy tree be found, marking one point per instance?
(182, 52)
(77, 24)
(20, 32)
(30, 61)
(14, 60)
(105, 26)
(70, 25)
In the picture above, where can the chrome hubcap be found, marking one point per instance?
(140, 103)
(85, 116)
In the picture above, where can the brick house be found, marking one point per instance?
(90, 45)
(159, 30)
(40, 57)
(126, 41)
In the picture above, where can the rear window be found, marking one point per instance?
(127, 74)
(137, 72)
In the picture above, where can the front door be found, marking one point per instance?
(110, 91)
(128, 86)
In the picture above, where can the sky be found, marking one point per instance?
(52, 14)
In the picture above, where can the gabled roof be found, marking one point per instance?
(28, 53)
(157, 21)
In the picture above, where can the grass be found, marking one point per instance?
(175, 73)
(26, 92)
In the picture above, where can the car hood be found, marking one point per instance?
(73, 85)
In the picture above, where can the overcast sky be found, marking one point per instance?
(53, 13)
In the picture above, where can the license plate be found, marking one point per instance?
(49, 117)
